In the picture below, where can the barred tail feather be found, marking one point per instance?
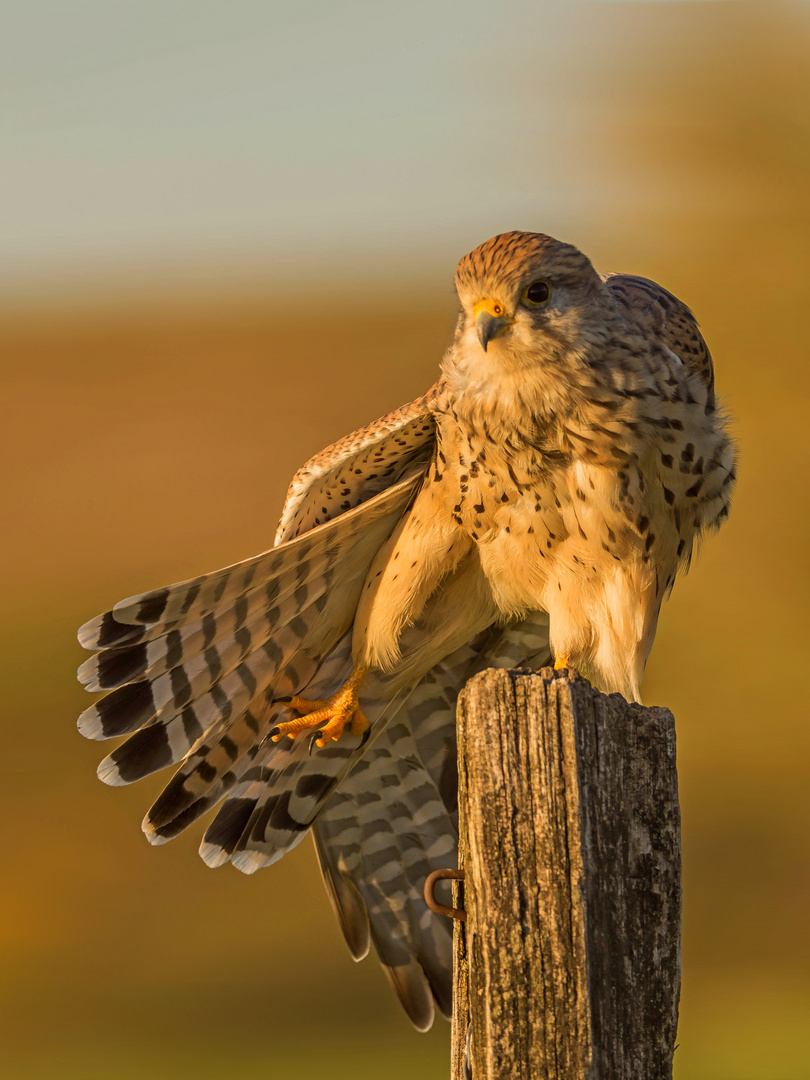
(347, 903)
(407, 980)
(376, 849)
(386, 847)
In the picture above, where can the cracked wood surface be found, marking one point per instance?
(570, 839)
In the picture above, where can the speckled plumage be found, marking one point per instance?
(539, 499)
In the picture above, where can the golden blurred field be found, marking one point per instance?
(149, 441)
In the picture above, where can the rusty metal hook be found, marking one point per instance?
(433, 903)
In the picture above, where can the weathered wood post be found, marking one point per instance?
(569, 962)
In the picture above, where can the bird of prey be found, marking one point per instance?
(535, 504)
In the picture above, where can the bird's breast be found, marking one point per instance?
(554, 524)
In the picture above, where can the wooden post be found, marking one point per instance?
(570, 841)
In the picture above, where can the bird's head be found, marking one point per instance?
(526, 298)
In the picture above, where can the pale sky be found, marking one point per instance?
(197, 135)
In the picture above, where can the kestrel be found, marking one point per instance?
(536, 503)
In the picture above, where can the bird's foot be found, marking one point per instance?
(562, 662)
(334, 713)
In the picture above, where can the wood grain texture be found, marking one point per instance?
(461, 988)
(570, 839)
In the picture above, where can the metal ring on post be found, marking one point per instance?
(432, 902)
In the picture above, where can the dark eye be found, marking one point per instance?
(538, 292)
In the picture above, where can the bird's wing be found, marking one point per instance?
(654, 311)
(193, 669)
(359, 466)
(193, 673)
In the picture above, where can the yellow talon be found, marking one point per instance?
(338, 710)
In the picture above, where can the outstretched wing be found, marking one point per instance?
(194, 672)
(193, 669)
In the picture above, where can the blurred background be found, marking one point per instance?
(228, 237)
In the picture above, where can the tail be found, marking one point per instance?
(394, 820)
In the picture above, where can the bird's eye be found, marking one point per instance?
(537, 293)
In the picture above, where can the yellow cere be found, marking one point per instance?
(491, 306)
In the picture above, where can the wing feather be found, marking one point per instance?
(656, 312)
(193, 673)
(359, 466)
(192, 669)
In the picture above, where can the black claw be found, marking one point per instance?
(282, 700)
(365, 737)
(313, 739)
(272, 732)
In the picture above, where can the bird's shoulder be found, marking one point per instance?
(660, 317)
(359, 466)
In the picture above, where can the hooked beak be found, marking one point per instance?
(490, 321)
